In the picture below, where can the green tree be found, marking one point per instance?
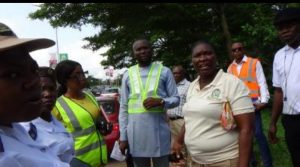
(171, 27)
(92, 81)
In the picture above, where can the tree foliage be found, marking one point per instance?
(171, 27)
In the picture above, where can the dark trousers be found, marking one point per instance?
(262, 143)
(146, 161)
(291, 125)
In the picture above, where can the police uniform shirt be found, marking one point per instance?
(54, 135)
(20, 150)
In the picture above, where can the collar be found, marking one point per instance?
(182, 82)
(243, 60)
(43, 124)
(287, 48)
(53, 126)
(145, 67)
(215, 81)
(20, 133)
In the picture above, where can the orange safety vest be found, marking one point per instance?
(247, 75)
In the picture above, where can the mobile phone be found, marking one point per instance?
(174, 158)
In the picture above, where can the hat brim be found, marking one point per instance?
(285, 20)
(28, 44)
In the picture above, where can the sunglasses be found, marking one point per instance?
(237, 49)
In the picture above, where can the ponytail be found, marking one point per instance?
(62, 89)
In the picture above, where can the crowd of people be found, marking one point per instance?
(208, 122)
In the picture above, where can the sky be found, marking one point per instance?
(70, 41)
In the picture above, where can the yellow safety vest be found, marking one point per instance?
(138, 93)
(90, 146)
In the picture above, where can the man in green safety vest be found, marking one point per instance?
(148, 90)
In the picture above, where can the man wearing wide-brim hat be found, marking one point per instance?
(21, 101)
(286, 79)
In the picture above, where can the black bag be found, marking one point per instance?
(129, 161)
(104, 127)
(173, 157)
(103, 124)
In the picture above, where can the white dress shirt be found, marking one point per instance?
(182, 88)
(261, 79)
(20, 150)
(286, 75)
(59, 141)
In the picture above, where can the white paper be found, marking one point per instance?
(116, 153)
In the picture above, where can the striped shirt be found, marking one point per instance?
(182, 87)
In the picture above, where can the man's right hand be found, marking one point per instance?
(272, 134)
(123, 146)
(176, 147)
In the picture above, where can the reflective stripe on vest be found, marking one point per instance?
(88, 148)
(247, 75)
(93, 140)
(139, 93)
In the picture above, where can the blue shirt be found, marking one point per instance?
(57, 138)
(148, 134)
(20, 150)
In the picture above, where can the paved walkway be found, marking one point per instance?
(114, 163)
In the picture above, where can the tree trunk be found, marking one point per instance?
(226, 31)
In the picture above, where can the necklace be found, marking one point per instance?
(287, 73)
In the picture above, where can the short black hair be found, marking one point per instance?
(202, 42)
(180, 66)
(48, 73)
(141, 39)
(287, 15)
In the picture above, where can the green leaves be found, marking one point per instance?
(171, 27)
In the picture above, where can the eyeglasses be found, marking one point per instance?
(237, 49)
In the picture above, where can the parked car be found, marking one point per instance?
(97, 90)
(113, 92)
(111, 105)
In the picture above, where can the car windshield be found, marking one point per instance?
(108, 106)
(111, 90)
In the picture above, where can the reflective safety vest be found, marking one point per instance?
(139, 93)
(247, 75)
(90, 146)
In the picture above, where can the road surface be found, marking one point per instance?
(114, 163)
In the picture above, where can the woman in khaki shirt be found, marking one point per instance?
(208, 142)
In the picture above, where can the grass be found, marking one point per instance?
(280, 154)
